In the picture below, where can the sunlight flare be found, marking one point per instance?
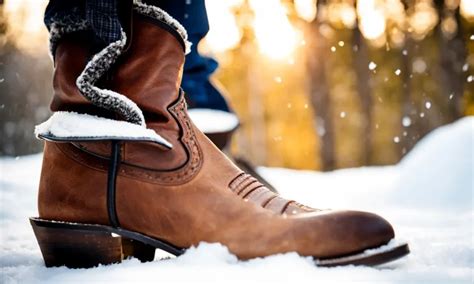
(25, 26)
(467, 9)
(275, 35)
(371, 19)
(224, 33)
(306, 9)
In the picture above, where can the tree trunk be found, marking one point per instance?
(317, 52)
(364, 90)
(409, 111)
(451, 60)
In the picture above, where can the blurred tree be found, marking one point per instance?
(452, 57)
(317, 54)
(410, 117)
(25, 87)
(364, 90)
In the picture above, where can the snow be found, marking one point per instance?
(213, 121)
(406, 121)
(428, 197)
(69, 125)
(372, 65)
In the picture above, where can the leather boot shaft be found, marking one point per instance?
(149, 73)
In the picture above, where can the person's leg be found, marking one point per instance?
(200, 92)
(208, 106)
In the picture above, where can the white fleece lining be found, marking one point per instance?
(71, 125)
(60, 28)
(96, 68)
(161, 15)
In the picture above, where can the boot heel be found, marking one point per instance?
(143, 252)
(76, 247)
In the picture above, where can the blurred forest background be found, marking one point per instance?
(317, 84)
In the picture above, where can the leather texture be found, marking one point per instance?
(188, 194)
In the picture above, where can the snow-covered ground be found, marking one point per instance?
(428, 197)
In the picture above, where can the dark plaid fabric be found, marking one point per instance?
(101, 16)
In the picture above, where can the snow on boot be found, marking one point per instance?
(125, 171)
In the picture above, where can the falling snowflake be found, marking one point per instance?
(341, 43)
(333, 48)
(470, 79)
(422, 114)
(278, 79)
(321, 130)
(451, 96)
(398, 72)
(396, 139)
(342, 114)
(406, 121)
(465, 67)
(427, 105)
(419, 65)
(405, 52)
(372, 65)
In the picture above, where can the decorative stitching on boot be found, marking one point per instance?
(180, 176)
(237, 180)
(249, 188)
(190, 169)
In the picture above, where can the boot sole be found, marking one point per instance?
(77, 245)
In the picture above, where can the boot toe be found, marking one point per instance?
(361, 230)
(338, 233)
(368, 229)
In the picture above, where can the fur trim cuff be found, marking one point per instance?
(95, 68)
(63, 26)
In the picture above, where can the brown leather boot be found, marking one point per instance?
(105, 193)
